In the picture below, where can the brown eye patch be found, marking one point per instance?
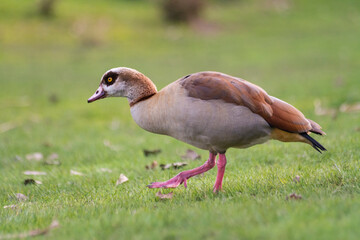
(110, 78)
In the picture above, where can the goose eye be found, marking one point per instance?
(109, 79)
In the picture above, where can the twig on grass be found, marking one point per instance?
(32, 233)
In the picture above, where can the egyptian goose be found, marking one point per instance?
(209, 110)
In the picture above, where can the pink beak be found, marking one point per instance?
(99, 94)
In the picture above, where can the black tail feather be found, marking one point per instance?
(316, 145)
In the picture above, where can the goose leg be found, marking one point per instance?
(183, 176)
(221, 163)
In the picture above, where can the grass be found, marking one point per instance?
(307, 52)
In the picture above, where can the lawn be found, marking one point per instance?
(301, 52)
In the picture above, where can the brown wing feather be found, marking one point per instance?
(287, 117)
(214, 85)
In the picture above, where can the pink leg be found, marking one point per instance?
(183, 176)
(220, 174)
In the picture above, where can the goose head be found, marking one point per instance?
(124, 82)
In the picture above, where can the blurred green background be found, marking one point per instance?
(304, 52)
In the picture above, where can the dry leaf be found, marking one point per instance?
(34, 173)
(52, 162)
(18, 158)
(53, 156)
(52, 159)
(350, 108)
(34, 156)
(4, 127)
(296, 179)
(54, 224)
(320, 111)
(105, 170)
(164, 196)
(339, 82)
(10, 206)
(151, 152)
(174, 165)
(72, 172)
(108, 144)
(204, 27)
(153, 165)
(21, 197)
(115, 124)
(32, 233)
(294, 196)
(35, 118)
(278, 5)
(179, 164)
(47, 144)
(190, 154)
(53, 98)
(121, 179)
(165, 166)
(31, 181)
(23, 101)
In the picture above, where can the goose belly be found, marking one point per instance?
(216, 126)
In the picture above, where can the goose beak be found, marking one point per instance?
(99, 94)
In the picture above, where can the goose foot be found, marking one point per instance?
(172, 183)
(184, 176)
